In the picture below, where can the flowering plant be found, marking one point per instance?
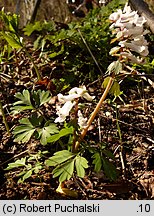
(132, 47)
(128, 27)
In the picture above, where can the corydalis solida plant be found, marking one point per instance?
(129, 49)
(128, 27)
(132, 47)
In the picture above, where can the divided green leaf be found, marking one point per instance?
(18, 163)
(59, 157)
(23, 132)
(64, 171)
(81, 164)
(41, 97)
(63, 132)
(24, 102)
(46, 131)
(97, 161)
(109, 169)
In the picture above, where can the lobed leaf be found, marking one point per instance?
(23, 132)
(46, 131)
(81, 164)
(97, 161)
(18, 163)
(12, 41)
(59, 157)
(24, 137)
(62, 132)
(64, 171)
(109, 169)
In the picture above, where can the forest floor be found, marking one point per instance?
(134, 154)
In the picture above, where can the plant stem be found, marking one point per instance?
(83, 133)
(93, 57)
(4, 118)
(75, 118)
(34, 65)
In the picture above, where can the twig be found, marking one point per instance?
(15, 156)
(121, 145)
(93, 57)
(122, 160)
(99, 130)
(143, 76)
(4, 118)
(76, 182)
(130, 125)
(34, 65)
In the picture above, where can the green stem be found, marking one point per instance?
(34, 65)
(4, 118)
(118, 126)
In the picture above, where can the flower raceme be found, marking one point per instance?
(67, 102)
(129, 29)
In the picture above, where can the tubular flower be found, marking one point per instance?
(81, 92)
(69, 102)
(63, 111)
(129, 29)
(82, 122)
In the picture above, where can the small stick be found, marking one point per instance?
(15, 156)
(93, 57)
(4, 119)
(99, 130)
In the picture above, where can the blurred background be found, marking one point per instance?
(62, 11)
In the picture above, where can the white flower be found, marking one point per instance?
(136, 46)
(63, 111)
(114, 50)
(68, 101)
(129, 56)
(116, 15)
(82, 122)
(75, 93)
(129, 30)
(65, 98)
(139, 20)
(81, 92)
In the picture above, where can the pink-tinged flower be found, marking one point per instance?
(139, 20)
(136, 46)
(130, 57)
(82, 122)
(63, 111)
(129, 30)
(115, 16)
